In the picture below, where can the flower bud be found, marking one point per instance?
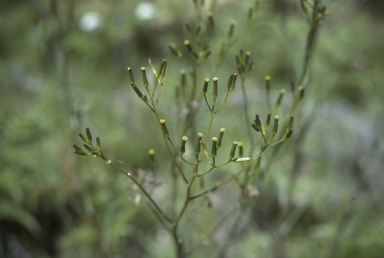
(164, 128)
(301, 92)
(151, 153)
(83, 137)
(233, 149)
(182, 146)
(163, 67)
(80, 152)
(268, 119)
(77, 147)
(231, 29)
(290, 124)
(214, 147)
(241, 151)
(183, 77)
(275, 124)
(258, 122)
(189, 29)
(175, 50)
(205, 88)
(145, 80)
(88, 148)
(130, 75)
(288, 134)
(221, 134)
(98, 145)
(278, 102)
(267, 83)
(89, 136)
(214, 93)
(197, 145)
(234, 77)
(210, 19)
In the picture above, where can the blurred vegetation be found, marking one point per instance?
(322, 197)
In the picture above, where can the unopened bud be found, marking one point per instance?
(145, 80)
(220, 139)
(130, 75)
(233, 150)
(89, 136)
(267, 83)
(164, 128)
(197, 145)
(182, 146)
(214, 93)
(205, 88)
(275, 125)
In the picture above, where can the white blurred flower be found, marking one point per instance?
(145, 10)
(90, 21)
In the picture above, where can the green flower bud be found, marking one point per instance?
(183, 77)
(130, 75)
(290, 124)
(241, 151)
(292, 86)
(229, 84)
(145, 80)
(88, 148)
(301, 92)
(175, 50)
(233, 149)
(247, 57)
(268, 119)
(234, 77)
(83, 137)
(89, 136)
(187, 43)
(77, 147)
(197, 145)
(221, 134)
(98, 145)
(267, 83)
(164, 128)
(80, 152)
(151, 153)
(197, 31)
(278, 102)
(189, 30)
(182, 146)
(258, 122)
(257, 129)
(210, 19)
(231, 29)
(205, 88)
(214, 148)
(275, 125)
(108, 162)
(163, 68)
(288, 134)
(214, 93)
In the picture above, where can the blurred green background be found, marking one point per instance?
(63, 67)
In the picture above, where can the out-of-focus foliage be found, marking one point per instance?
(60, 72)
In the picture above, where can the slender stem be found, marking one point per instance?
(245, 101)
(168, 219)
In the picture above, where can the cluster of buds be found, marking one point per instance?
(95, 151)
(244, 64)
(260, 127)
(230, 87)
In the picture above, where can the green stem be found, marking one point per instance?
(168, 219)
